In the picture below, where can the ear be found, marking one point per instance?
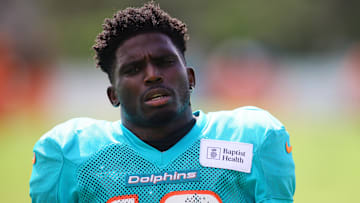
(111, 93)
(191, 76)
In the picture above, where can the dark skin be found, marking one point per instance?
(152, 86)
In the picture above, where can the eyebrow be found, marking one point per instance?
(167, 55)
(130, 63)
(157, 57)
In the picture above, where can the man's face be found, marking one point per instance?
(150, 80)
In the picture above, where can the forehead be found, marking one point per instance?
(141, 45)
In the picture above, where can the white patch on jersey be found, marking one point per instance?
(191, 196)
(225, 154)
(124, 199)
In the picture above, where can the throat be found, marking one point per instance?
(170, 140)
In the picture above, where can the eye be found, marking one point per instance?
(131, 69)
(166, 61)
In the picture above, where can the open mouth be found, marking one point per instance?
(157, 97)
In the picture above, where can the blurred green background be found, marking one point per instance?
(298, 59)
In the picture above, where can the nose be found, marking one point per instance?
(152, 75)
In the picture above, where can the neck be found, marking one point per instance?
(171, 131)
(173, 138)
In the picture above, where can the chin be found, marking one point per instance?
(162, 117)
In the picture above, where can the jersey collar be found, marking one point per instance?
(162, 159)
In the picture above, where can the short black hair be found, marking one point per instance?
(130, 22)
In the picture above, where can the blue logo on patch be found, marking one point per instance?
(162, 178)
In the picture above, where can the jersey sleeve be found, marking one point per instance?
(51, 179)
(275, 168)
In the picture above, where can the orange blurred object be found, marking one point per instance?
(22, 81)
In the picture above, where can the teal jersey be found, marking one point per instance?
(242, 155)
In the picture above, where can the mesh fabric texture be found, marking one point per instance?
(102, 177)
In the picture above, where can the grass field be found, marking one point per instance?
(325, 150)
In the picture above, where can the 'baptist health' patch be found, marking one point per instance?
(225, 154)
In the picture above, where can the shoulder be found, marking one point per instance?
(67, 131)
(273, 168)
(80, 136)
(272, 174)
(246, 124)
(58, 153)
(249, 116)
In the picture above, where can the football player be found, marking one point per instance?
(160, 150)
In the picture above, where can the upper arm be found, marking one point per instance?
(46, 171)
(276, 169)
(52, 178)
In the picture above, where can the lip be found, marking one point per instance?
(157, 97)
